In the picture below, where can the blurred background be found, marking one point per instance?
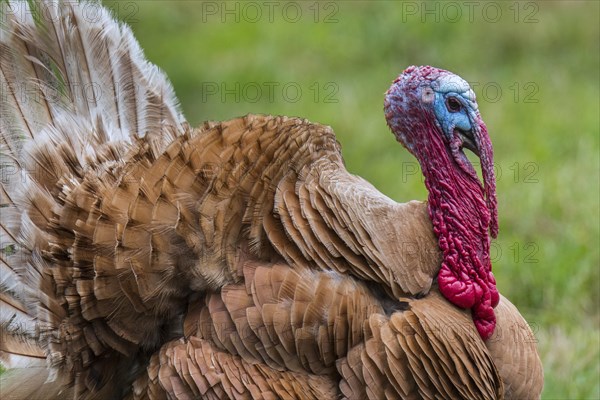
(535, 69)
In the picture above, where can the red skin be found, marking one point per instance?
(462, 210)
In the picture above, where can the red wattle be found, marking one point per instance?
(460, 293)
(462, 212)
(484, 319)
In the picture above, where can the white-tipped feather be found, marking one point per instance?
(75, 94)
(88, 66)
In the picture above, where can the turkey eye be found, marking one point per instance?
(453, 105)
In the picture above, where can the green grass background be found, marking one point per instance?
(545, 133)
(535, 69)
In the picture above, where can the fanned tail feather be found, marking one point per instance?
(75, 93)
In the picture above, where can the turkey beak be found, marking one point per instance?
(469, 141)
(471, 138)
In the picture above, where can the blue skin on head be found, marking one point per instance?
(448, 96)
(453, 87)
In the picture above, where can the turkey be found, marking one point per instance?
(145, 259)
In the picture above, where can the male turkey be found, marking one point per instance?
(142, 258)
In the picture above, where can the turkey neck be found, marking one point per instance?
(461, 219)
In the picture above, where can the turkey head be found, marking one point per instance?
(434, 114)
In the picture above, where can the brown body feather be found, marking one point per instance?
(327, 324)
(236, 260)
